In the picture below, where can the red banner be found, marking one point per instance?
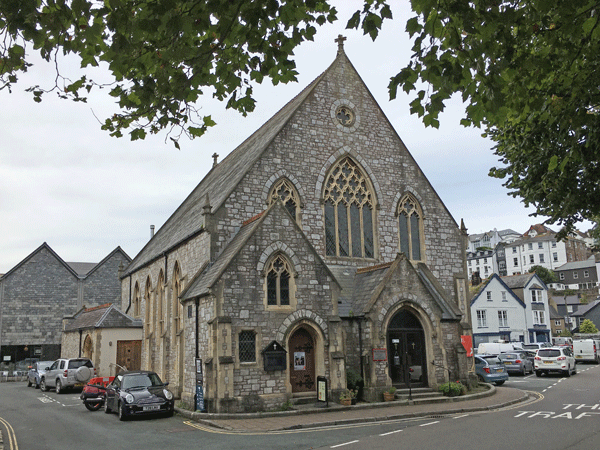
(467, 342)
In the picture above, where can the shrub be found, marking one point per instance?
(453, 389)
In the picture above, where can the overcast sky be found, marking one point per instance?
(66, 182)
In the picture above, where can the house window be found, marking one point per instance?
(481, 318)
(485, 260)
(489, 296)
(514, 249)
(557, 323)
(554, 244)
(285, 190)
(349, 212)
(536, 295)
(555, 257)
(586, 274)
(569, 309)
(469, 262)
(531, 259)
(540, 245)
(561, 276)
(575, 275)
(538, 318)
(541, 257)
(516, 262)
(530, 246)
(504, 296)
(410, 227)
(502, 318)
(247, 346)
(280, 281)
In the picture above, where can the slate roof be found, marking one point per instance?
(520, 281)
(104, 316)
(82, 268)
(584, 309)
(590, 262)
(187, 220)
(566, 299)
(502, 283)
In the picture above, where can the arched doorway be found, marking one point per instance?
(406, 350)
(302, 361)
(87, 347)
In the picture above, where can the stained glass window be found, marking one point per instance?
(349, 210)
(410, 222)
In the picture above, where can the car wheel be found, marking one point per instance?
(93, 406)
(58, 387)
(499, 383)
(43, 386)
(106, 407)
(122, 413)
(538, 373)
(29, 383)
(567, 373)
(524, 371)
(36, 385)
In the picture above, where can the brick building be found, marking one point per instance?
(314, 248)
(41, 290)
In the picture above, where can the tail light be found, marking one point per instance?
(594, 348)
(537, 358)
(66, 373)
(561, 358)
(487, 369)
(518, 361)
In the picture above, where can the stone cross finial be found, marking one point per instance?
(215, 156)
(340, 42)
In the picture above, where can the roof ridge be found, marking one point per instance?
(93, 308)
(252, 219)
(375, 267)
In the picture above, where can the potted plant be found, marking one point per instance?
(346, 397)
(390, 394)
(453, 389)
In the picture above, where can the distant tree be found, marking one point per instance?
(587, 326)
(565, 333)
(546, 275)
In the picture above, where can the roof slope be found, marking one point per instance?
(218, 183)
(104, 316)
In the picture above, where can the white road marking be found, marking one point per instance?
(345, 443)
(460, 417)
(390, 432)
(430, 423)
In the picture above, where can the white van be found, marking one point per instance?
(560, 340)
(495, 348)
(586, 350)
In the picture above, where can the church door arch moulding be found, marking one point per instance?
(305, 357)
(407, 348)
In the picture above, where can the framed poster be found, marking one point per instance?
(380, 354)
(322, 389)
(299, 361)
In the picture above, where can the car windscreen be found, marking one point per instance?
(141, 380)
(491, 359)
(77, 363)
(548, 353)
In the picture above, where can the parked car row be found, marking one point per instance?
(129, 393)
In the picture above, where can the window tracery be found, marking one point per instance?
(349, 209)
(410, 227)
(285, 190)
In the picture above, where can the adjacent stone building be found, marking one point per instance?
(315, 248)
(41, 290)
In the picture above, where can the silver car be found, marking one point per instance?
(67, 373)
(36, 371)
(517, 362)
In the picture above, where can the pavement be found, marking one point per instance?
(313, 416)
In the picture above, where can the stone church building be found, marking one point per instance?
(315, 248)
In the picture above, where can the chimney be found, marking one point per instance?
(151, 231)
(215, 157)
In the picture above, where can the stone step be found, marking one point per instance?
(418, 394)
(304, 398)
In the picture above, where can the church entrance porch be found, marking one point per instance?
(406, 350)
(302, 361)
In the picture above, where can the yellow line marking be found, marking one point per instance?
(12, 438)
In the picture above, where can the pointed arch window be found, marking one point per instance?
(147, 306)
(280, 283)
(349, 212)
(286, 191)
(160, 305)
(410, 227)
(176, 307)
(137, 302)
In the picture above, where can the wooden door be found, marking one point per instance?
(129, 355)
(302, 361)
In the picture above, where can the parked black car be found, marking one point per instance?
(136, 393)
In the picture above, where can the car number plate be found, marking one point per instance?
(548, 362)
(579, 356)
(499, 370)
(78, 385)
(151, 408)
